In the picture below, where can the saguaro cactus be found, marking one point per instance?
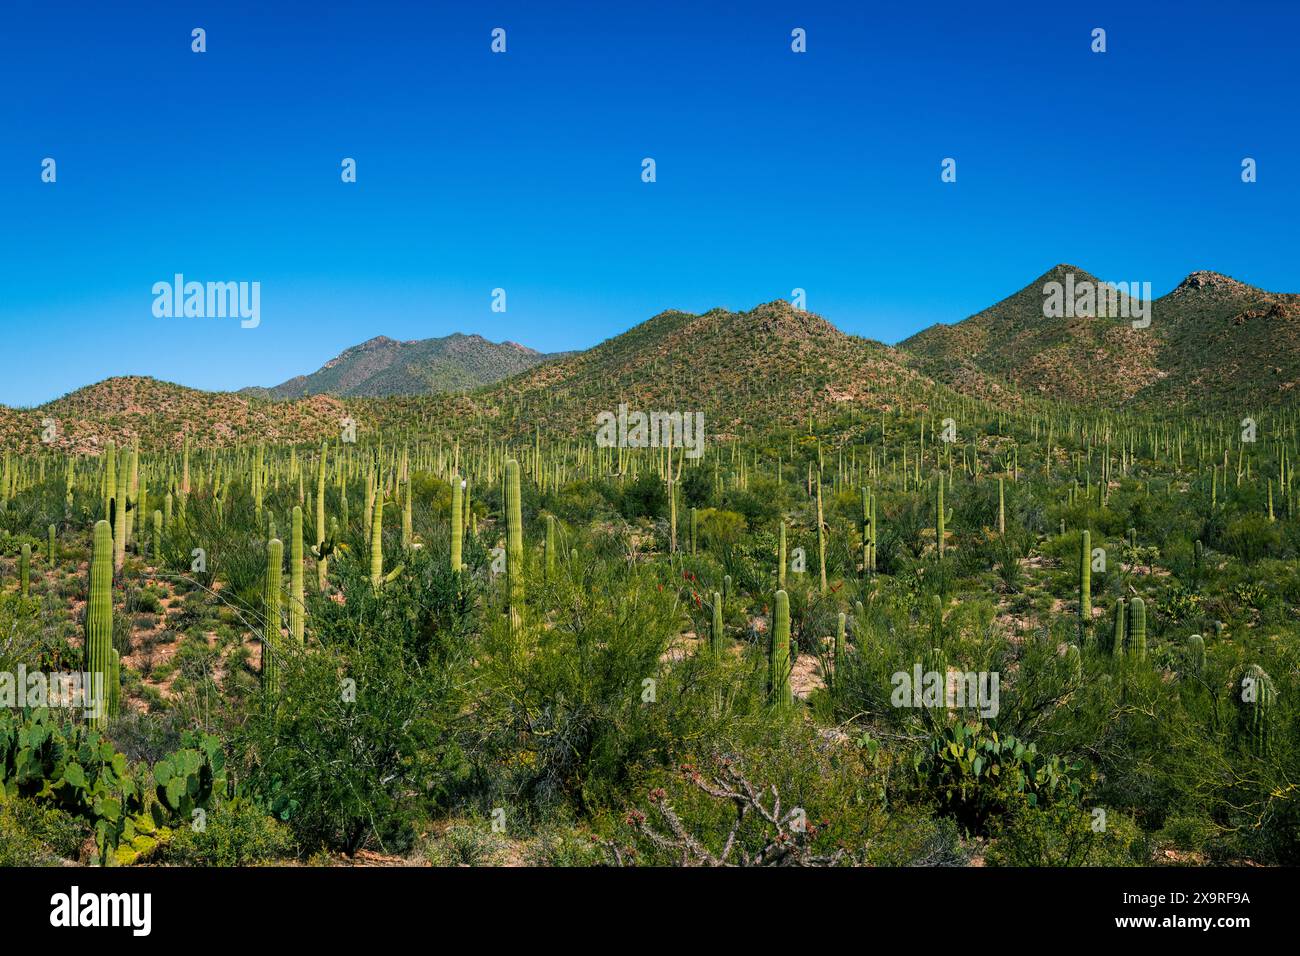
(1117, 642)
(1002, 509)
(780, 559)
(52, 550)
(271, 615)
(110, 476)
(941, 519)
(114, 689)
(1137, 628)
(25, 571)
(1255, 695)
(821, 535)
(322, 562)
(377, 543)
(1196, 654)
(840, 628)
(297, 595)
(778, 653)
(119, 518)
(457, 523)
(99, 615)
(514, 544)
(1085, 578)
(550, 547)
(715, 631)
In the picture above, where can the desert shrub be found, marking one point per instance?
(32, 834)
(645, 496)
(1251, 537)
(236, 833)
(471, 843)
(1064, 834)
(358, 742)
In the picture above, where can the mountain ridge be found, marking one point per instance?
(382, 367)
(1210, 338)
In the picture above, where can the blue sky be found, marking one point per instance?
(775, 170)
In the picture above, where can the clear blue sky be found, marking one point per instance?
(522, 170)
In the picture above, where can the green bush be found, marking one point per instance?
(236, 833)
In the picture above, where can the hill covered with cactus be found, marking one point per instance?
(772, 363)
(160, 414)
(1210, 339)
(381, 366)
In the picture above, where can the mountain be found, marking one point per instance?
(1211, 339)
(382, 367)
(742, 369)
(161, 414)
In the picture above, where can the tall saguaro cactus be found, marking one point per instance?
(715, 630)
(778, 654)
(457, 523)
(1117, 641)
(821, 535)
(550, 548)
(514, 544)
(940, 521)
(25, 571)
(119, 518)
(1002, 509)
(322, 562)
(297, 596)
(841, 626)
(377, 542)
(781, 559)
(408, 531)
(99, 616)
(271, 615)
(1085, 579)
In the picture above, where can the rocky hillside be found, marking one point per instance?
(742, 369)
(160, 414)
(1210, 339)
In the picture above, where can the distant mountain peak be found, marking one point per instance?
(1213, 282)
(382, 366)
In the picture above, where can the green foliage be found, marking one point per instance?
(236, 833)
(75, 769)
(977, 774)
